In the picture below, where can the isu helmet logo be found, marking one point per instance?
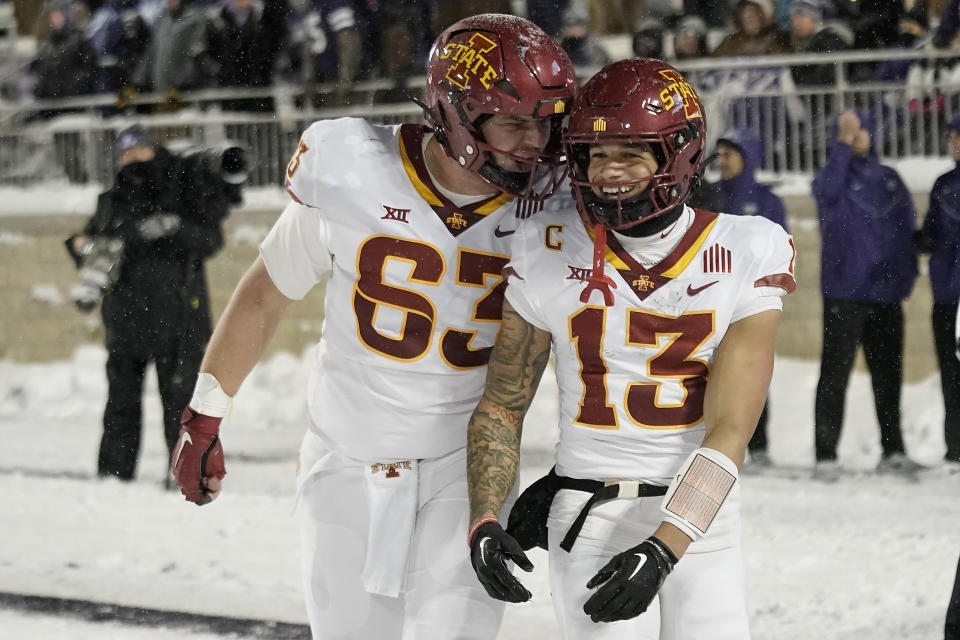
(470, 61)
(680, 93)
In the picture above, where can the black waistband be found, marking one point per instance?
(602, 492)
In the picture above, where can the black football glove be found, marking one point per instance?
(630, 581)
(490, 548)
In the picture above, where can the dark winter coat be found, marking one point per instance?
(743, 195)
(175, 57)
(949, 24)
(243, 53)
(867, 220)
(161, 296)
(831, 37)
(64, 65)
(119, 37)
(941, 234)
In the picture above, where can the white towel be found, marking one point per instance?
(392, 489)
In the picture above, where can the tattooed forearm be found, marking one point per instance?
(493, 442)
(493, 455)
(519, 357)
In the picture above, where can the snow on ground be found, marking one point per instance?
(869, 556)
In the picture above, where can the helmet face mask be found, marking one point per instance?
(497, 64)
(637, 102)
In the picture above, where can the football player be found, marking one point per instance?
(413, 226)
(662, 319)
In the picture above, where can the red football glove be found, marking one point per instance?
(198, 458)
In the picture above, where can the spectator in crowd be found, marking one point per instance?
(119, 37)
(548, 14)
(578, 42)
(143, 252)
(64, 63)
(810, 33)
(913, 27)
(328, 44)
(738, 155)
(715, 15)
(690, 39)
(867, 268)
(399, 37)
(446, 13)
(648, 39)
(940, 236)
(756, 32)
(945, 34)
(243, 40)
(874, 22)
(174, 60)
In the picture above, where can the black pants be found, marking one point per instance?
(879, 328)
(758, 442)
(944, 319)
(951, 629)
(122, 419)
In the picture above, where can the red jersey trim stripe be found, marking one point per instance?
(717, 259)
(784, 281)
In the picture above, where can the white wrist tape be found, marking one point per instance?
(209, 397)
(698, 490)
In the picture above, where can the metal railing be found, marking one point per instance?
(793, 123)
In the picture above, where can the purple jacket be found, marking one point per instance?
(941, 229)
(866, 225)
(743, 195)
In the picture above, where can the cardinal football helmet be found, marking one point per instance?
(489, 64)
(637, 101)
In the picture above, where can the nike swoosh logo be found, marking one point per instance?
(501, 233)
(667, 232)
(692, 292)
(643, 560)
(184, 439)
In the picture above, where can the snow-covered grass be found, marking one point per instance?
(870, 556)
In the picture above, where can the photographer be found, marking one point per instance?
(143, 252)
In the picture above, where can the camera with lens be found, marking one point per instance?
(100, 261)
(216, 172)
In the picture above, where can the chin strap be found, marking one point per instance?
(598, 279)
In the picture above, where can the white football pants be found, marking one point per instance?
(704, 598)
(441, 598)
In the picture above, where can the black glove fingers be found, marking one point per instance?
(617, 607)
(515, 552)
(599, 603)
(604, 574)
(508, 584)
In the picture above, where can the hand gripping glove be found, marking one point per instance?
(198, 455)
(629, 582)
(490, 548)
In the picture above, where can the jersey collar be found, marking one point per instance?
(645, 281)
(455, 219)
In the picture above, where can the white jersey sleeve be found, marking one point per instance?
(296, 251)
(775, 275)
(521, 296)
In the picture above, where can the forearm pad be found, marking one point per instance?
(698, 491)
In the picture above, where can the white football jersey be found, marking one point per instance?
(413, 302)
(632, 375)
